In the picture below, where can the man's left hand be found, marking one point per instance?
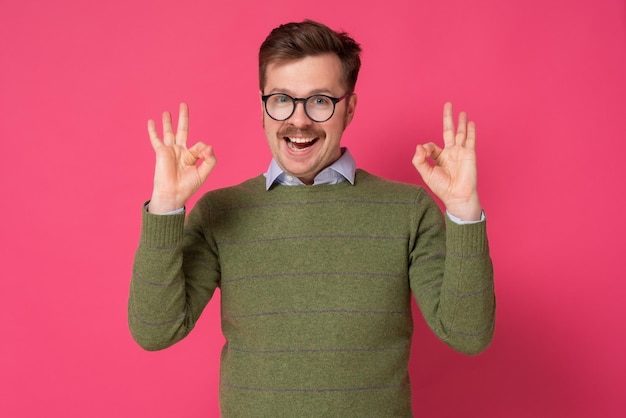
(453, 176)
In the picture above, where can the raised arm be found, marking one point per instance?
(459, 305)
(167, 294)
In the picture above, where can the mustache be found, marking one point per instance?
(307, 132)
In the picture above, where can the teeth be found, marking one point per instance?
(301, 140)
(300, 144)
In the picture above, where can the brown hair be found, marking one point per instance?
(308, 38)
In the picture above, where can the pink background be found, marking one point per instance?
(544, 80)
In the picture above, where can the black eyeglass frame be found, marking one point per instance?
(295, 101)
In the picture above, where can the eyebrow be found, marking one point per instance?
(311, 93)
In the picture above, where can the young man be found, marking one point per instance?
(316, 260)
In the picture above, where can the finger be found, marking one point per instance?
(425, 151)
(461, 130)
(153, 134)
(420, 161)
(208, 163)
(182, 130)
(432, 151)
(168, 133)
(204, 153)
(448, 125)
(471, 135)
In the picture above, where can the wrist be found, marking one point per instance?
(158, 205)
(467, 211)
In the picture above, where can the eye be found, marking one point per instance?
(279, 100)
(320, 101)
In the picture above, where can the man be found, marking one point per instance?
(316, 261)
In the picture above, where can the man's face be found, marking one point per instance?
(300, 146)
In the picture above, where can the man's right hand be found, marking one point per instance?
(177, 174)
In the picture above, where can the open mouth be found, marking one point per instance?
(299, 144)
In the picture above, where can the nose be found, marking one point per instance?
(299, 116)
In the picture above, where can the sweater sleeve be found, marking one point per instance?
(451, 276)
(169, 286)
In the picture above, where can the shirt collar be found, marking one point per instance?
(341, 170)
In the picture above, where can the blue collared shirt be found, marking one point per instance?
(341, 170)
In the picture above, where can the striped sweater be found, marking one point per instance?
(315, 289)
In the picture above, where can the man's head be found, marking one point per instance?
(309, 61)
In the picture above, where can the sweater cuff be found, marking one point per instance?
(469, 240)
(161, 230)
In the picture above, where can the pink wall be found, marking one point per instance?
(545, 82)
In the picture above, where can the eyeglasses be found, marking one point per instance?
(319, 107)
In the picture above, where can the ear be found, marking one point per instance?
(350, 108)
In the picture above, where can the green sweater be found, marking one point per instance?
(315, 289)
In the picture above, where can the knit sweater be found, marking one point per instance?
(315, 289)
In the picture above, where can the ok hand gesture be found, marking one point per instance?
(453, 176)
(177, 174)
